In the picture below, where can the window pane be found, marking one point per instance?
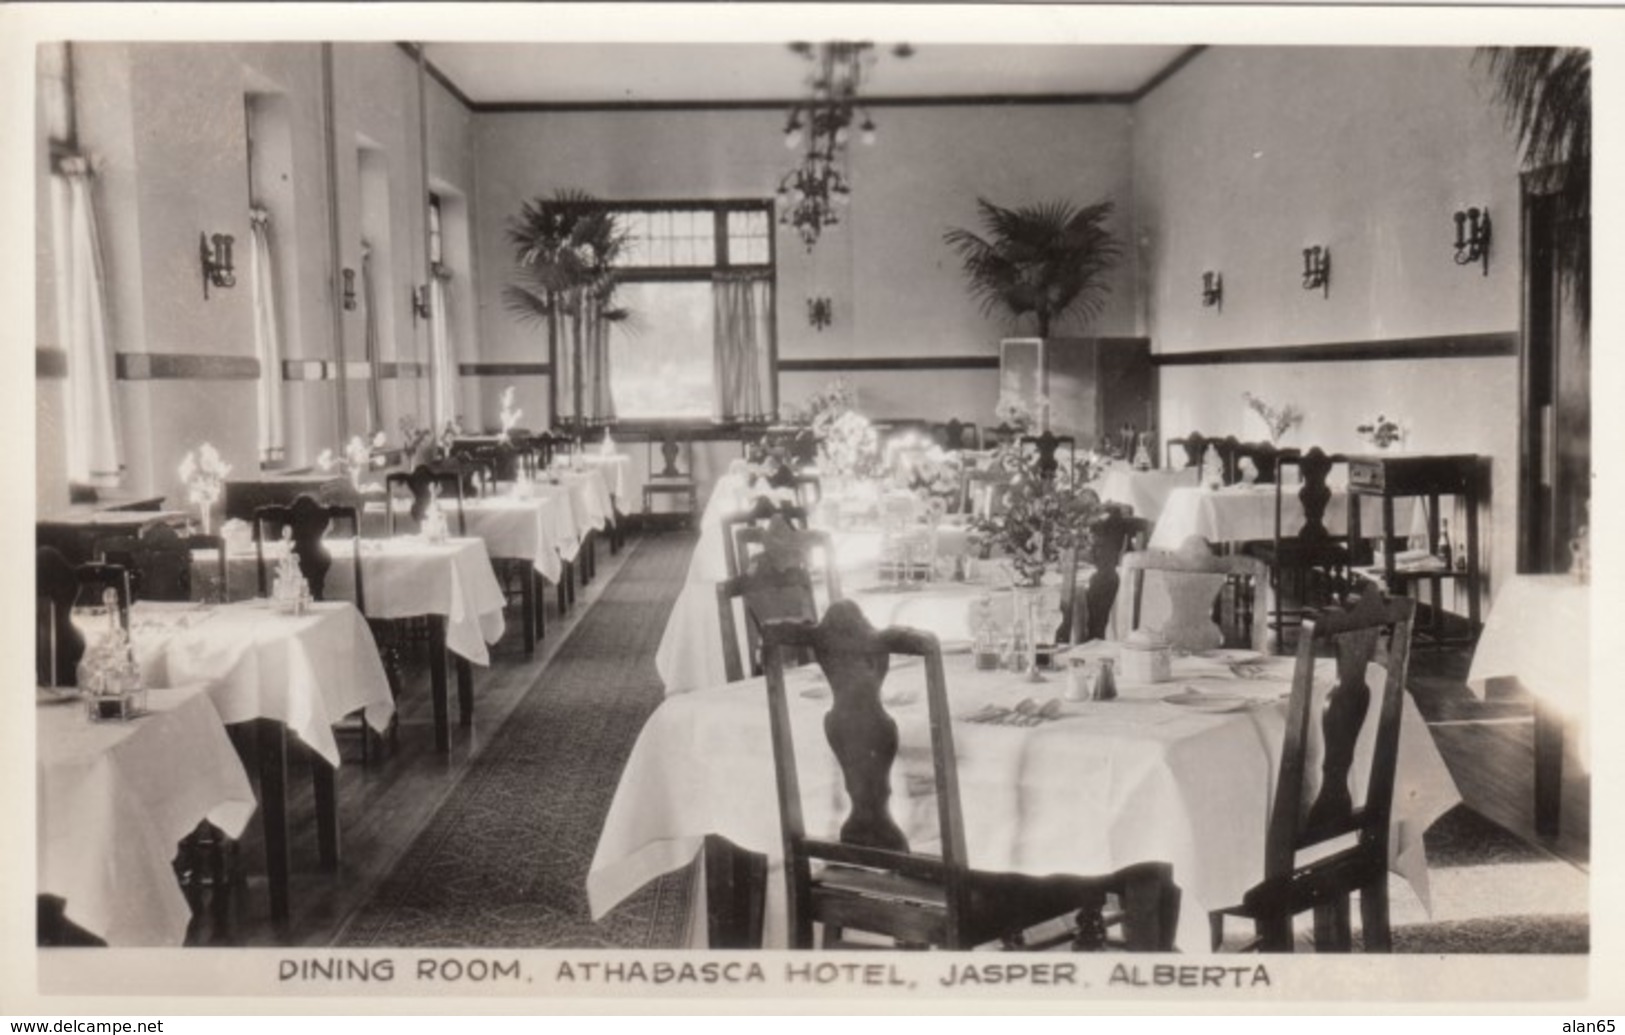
(661, 365)
(747, 238)
(636, 225)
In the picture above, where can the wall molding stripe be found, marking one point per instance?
(1450, 346)
(403, 369)
(50, 364)
(184, 366)
(1167, 73)
(505, 369)
(805, 366)
(328, 370)
(304, 370)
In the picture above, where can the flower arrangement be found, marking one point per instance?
(932, 472)
(204, 473)
(828, 403)
(1277, 420)
(357, 456)
(1013, 412)
(1040, 518)
(509, 414)
(453, 431)
(848, 446)
(1381, 431)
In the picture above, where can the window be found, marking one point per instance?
(683, 264)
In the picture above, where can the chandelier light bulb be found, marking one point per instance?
(867, 130)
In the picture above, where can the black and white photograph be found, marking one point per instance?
(574, 501)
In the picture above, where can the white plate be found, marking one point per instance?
(1232, 655)
(1196, 700)
(956, 646)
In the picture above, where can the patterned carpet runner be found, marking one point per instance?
(503, 863)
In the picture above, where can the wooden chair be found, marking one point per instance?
(1194, 579)
(476, 474)
(1315, 805)
(1048, 444)
(1116, 532)
(783, 546)
(777, 583)
(1299, 557)
(981, 491)
(1266, 459)
(421, 484)
(159, 561)
(760, 513)
(309, 522)
(671, 479)
(868, 878)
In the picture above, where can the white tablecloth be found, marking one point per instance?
(115, 798)
(537, 528)
(1145, 491)
(616, 469)
(1107, 786)
(406, 577)
(1244, 513)
(306, 672)
(1539, 632)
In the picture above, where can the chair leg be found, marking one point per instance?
(1374, 916)
(1274, 932)
(1215, 923)
(1332, 926)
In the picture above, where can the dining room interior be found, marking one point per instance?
(1041, 495)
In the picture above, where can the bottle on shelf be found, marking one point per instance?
(1444, 551)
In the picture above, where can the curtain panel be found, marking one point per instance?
(369, 299)
(267, 335)
(581, 361)
(92, 435)
(743, 319)
(442, 367)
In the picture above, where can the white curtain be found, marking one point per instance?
(92, 423)
(442, 366)
(369, 301)
(267, 336)
(582, 332)
(743, 318)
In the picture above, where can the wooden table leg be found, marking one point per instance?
(1150, 907)
(589, 556)
(327, 811)
(538, 588)
(465, 692)
(527, 607)
(437, 682)
(271, 747)
(568, 579)
(735, 894)
(615, 524)
(1548, 769)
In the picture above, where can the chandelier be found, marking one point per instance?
(812, 194)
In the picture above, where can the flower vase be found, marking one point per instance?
(205, 512)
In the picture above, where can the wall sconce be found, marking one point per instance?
(1473, 238)
(216, 259)
(820, 312)
(420, 302)
(347, 294)
(1317, 270)
(1213, 289)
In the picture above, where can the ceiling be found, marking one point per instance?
(644, 73)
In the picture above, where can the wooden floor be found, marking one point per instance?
(384, 805)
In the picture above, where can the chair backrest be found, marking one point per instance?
(779, 546)
(1048, 444)
(1116, 532)
(1317, 803)
(475, 473)
(308, 522)
(1314, 494)
(159, 561)
(982, 490)
(58, 645)
(769, 594)
(759, 512)
(855, 658)
(672, 450)
(1191, 579)
(1192, 447)
(955, 435)
(421, 483)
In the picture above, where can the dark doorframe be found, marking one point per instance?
(1554, 448)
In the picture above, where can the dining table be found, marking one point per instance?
(690, 653)
(1538, 634)
(288, 675)
(1245, 512)
(1145, 490)
(1181, 772)
(116, 797)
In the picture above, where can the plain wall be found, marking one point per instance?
(1249, 154)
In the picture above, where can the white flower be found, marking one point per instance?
(379, 440)
(324, 460)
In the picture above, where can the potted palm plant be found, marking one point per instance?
(1046, 263)
(567, 248)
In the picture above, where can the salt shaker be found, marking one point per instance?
(1106, 683)
(1077, 680)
